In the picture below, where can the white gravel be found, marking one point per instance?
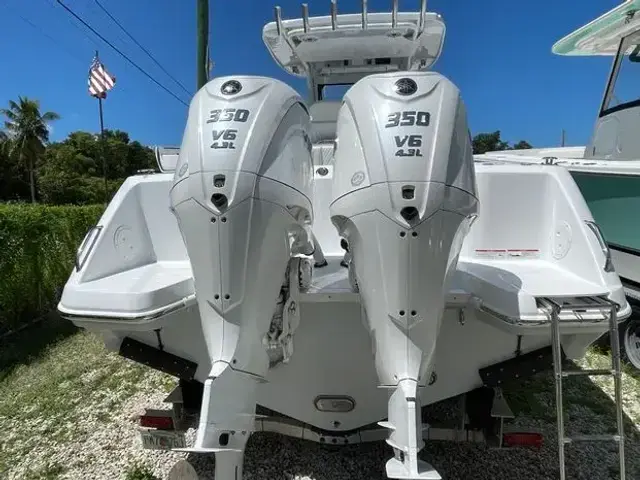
(104, 441)
(268, 457)
(110, 448)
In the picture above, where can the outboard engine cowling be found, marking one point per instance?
(404, 197)
(241, 196)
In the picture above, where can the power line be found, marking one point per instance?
(122, 54)
(42, 32)
(95, 13)
(51, 4)
(141, 47)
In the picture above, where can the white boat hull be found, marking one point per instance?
(332, 347)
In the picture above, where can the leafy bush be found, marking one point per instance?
(38, 245)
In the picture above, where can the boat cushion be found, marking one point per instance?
(324, 120)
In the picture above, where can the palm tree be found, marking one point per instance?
(4, 146)
(29, 133)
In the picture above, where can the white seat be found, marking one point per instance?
(133, 293)
(324, 120)
(511, 287)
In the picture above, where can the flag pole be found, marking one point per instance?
(104, 159)
(102, 152)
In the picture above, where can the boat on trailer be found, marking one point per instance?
(607, 169)
(326, 269)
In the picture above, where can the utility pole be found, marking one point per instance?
(203, 42)
(562, 139)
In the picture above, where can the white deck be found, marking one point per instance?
(506, 287)
(573, 164)
(529, 241)
(576, 152)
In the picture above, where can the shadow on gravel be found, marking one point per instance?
(587, 410)
(29, 344)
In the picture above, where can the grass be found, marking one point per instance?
(58, 384)
(45, 397)
(590, 398)
(532, 397)
(139, 471)
(597, 359)
(50, 471)
(31, 343)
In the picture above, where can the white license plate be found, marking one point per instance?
(162, 440)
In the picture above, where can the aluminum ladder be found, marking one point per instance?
(556, 306)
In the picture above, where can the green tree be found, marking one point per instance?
(488, 142)
(72, 170)
(29, 132)
(522, 145)
(14, 183)
(4, 149)
(491, 142)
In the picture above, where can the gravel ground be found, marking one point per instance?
(91, 432)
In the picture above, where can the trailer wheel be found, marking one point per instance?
(630, 342)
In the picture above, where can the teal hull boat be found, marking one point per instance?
(607, 170)
(614, 201)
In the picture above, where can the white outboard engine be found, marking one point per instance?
(241, 195)
(404, 198)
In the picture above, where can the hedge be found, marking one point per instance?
(37, 250)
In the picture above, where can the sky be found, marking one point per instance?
(498, 52)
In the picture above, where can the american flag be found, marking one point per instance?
(100, 81)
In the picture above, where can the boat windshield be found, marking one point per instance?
(623, 89)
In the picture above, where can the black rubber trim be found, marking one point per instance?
(623, 249)
(518, 368)
(631, 283)
(598, 174)
(157, 359)
(627, 282)
(622, 106)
